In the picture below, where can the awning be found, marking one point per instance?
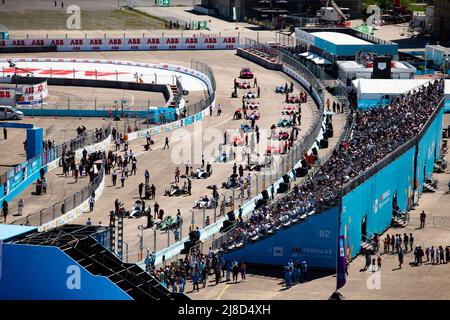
(314, 58)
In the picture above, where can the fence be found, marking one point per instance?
(268, 51)
(173, 20)
(48, 214)
(47, 156)
(107, 105)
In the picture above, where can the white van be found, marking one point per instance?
(9, 112)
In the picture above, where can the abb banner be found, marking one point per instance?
(35, 92)
(130, 44)
(7, 96)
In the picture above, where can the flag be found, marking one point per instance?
(341, 264)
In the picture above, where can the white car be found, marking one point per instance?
(9, 112)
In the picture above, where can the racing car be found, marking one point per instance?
(246, 73)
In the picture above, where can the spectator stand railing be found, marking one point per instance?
(46, 215)
(48, 159)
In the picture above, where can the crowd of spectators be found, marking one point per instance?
(376, 133)
(197, 268)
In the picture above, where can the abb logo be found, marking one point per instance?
(5, 94)
(57, 42)
(172, 41)
(115, 41)
(210, 40)
(18, 42)
(96, 42)
(153, 41)
(134, 41)
(191, 40)
(37, 43)
(76, 42)
(229, 40)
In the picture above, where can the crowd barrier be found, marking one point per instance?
(18, 179)
(96, 186)
(122, 44)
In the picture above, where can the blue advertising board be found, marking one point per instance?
(372, 202)
(313, 241)
(429, 149)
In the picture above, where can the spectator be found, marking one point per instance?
(5, 209)
(20, 206)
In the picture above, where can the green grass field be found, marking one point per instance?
(90, 20)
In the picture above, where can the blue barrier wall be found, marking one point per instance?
(314, 241)
(41, 273)
(373, 201)
(429, 149)
(153, 114)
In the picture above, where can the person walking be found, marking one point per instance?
(20, 206)
(423, 217)
(373, 264)
(189, 186)
(133, 166)
(155, 210)
(5, 133)
(122, 180)
(441, 255)
(405, 241)
(153, 190)
(5, 209)
(400, 258)
(378, 262)
(91, 203)
(386, 244)
(219, 109)
(195, 279)
(411, 241)
(141, 189)
(243, 270)
(432, 252)
(166, 144)
(114, 178)
(147, 176)
(235, 271)
(177, 175)
(427, 253)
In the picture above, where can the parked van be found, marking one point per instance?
(9, 112)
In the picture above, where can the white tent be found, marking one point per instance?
(379, 92)
(377, 88)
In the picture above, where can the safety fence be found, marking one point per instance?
(60, 208)
(263, 49)
(48, 155)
